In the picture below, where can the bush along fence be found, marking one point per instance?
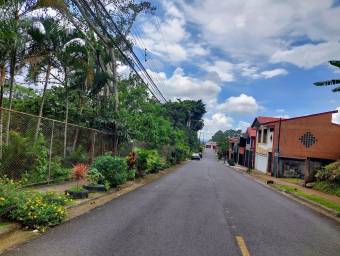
(40, 150)
(36, 149)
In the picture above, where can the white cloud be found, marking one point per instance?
(248, 29)
(242, 104)
(123, 71)
(309, 55)
(336, 117)
(218, 121)
(223, 69)
(180, 85)
(168, 38)
(274, 72)
(243, 126)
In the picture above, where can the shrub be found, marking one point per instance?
(9, 196)
(142, 161)
(131, 174)
(322, 174)
(114, 169)
(148, 161)
(178, 154)
(329, 173)
(36, 213)
(231, 162)
(154, 161)
(32, 209)
(22, 159)
(94, 176)
(58, 171)
(79, 155)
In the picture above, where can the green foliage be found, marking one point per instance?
(154, 161)
(79, 155)
(142, 161)
(231, 162)
(58, 172)
(328, 187)
(335, 63)
(131, 174)
(149, 161)
(114, 169)
(94, 176)
(329, 173)
(32, 209)
(22, 159)
(36, 213)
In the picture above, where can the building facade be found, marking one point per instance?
(249, 160)
(264, 143)
(301, 145)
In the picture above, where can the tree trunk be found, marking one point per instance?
(113, 86)
(42, 103)
(11, 90)
(66, 121)
(2, 84)
(116, 106)
(81, 107)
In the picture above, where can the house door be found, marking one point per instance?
(270, 158)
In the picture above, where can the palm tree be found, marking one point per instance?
(45, 37)
(335, 63)
(6, 39)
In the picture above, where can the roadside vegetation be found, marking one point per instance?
(316, 199)
(328, 179)
(78, 82)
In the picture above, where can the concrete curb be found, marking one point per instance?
(8, 229)
(320, 209)
(105, 197)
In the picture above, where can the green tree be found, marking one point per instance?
(335, 63)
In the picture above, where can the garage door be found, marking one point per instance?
(261, 162)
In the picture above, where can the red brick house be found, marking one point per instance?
(300, 145)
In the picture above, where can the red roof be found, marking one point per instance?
(317, 114)
(265, 119)
(251, 132)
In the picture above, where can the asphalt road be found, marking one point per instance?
(197, 210)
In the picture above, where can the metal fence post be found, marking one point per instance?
(94, 145)
(50, 154)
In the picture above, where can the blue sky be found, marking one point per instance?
(244, 58)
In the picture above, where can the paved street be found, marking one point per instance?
(195, 211)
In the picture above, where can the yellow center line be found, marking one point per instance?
(242, 244)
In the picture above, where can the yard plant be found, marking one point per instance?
(33, 209)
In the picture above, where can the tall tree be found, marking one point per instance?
(45, 41)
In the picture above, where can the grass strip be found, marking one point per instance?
(325, 202)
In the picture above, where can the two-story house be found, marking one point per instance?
(264, 143)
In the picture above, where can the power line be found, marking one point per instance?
(104, 13)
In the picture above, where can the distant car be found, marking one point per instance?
(195, 156)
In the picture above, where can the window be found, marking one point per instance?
(265, 135)
(259, 136)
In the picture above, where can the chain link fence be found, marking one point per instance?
(37, 149)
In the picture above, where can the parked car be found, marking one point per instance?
(195, 156)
